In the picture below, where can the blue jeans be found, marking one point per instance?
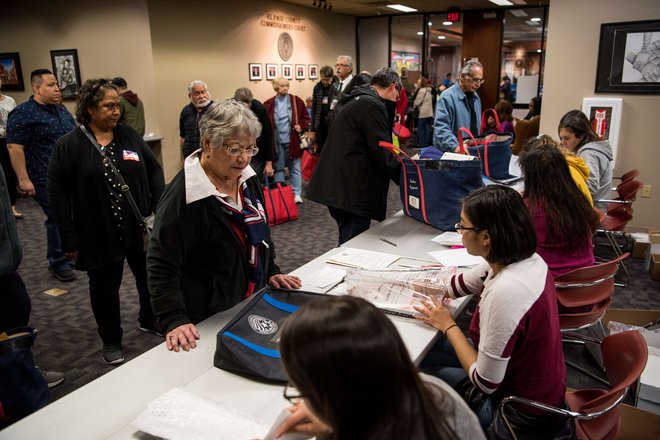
(293, 165)
(57, 261)
(425, 132)
(442, 362)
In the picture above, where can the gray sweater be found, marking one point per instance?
(598, 156)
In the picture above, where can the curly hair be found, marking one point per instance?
(90, 95)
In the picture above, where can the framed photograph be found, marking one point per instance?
(11, 73)
(67, 72)
(605, 117)
(287, 71)
(313, 71)
(255, 72)
(272, 71)
(409, 60)
(300, 71)
(629, 57)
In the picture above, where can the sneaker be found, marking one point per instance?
(52, 378)
(112, 353)
(153, 328)
(297, 199)
(65, 275)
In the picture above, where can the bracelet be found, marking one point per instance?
(449, 328)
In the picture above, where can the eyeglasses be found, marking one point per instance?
(477, 80)
(291, 393)
(250, 150)
(460, 228)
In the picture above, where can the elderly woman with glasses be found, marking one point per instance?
(515, 347)
(211, 245)
(98, 229)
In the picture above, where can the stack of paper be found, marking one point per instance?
(362, 259)
(449, 238)
(456, 257)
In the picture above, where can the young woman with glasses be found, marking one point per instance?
(352, 378)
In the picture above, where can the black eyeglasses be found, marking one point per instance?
(292, 394)
(460, 228)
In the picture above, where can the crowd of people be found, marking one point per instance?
(210, 247)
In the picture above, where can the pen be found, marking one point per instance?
(388, 242)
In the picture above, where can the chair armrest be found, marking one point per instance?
(620, 202)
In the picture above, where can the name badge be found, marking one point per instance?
(325, 100)
(130, 155)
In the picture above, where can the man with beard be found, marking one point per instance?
(200, 98)
(324, 93)
(353, 172)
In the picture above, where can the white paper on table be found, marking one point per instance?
(181, 415)
(325, 278)
(455, 156)
(289, 435)
(449, 238)
(363, 259)
(456, 257)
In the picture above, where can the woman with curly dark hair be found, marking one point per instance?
(97, 227)
(563, 217)
(352, 378)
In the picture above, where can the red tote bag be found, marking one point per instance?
(280, 204)
(308, 164)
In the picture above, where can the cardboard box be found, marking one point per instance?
(651, 263)
(640, 244)
(638, 424)
(654, 269)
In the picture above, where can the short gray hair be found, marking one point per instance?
(225, 119)
(467, 67)
(196, 83)
(348, 59)
(244, 94)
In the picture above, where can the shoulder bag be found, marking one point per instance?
(142, 221)
(305, 141)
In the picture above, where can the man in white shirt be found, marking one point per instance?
(344, 68)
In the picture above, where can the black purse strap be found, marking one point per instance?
(122, 183)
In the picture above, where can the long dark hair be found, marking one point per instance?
(349, 362)
(502, 212)
(577, 122)
(569, 216)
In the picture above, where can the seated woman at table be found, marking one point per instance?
(347, 362)
(563, 218)
(515, 326)
(211, 245)
(578, 136)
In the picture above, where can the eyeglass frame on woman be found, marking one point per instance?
(460, 228)
(293, 399)
(251, 150)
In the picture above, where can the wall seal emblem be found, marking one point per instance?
(285, 46)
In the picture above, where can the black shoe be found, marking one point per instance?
(113, 354)
(52, 378)
(65, 275)
(153, 328)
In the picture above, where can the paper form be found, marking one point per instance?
(456, 257)
(325, 278)
(363, 259)
(449, 238)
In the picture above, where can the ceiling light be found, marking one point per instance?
(420, 33)
(430, 23)
(501, 2)
(447, 23)
(517, 12)
(402, 8)
(538, 50)
(441, 37)
(535, 19)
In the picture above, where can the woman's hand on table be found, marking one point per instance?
(435, 314)
(183, 336)
(302, 420)
(285, 281)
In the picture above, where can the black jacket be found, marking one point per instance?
(78, 195)
(189, 128)
(265, 140)
(353, 172)
(196, 264)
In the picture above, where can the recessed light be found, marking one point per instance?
(501, 2)
(447, 23)
(402, 8)
(430, 23)
(441, 37)
(535, 19)
(420, 33)
(538, 50)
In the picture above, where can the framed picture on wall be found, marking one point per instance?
(67, 72)
(287, 71)
(408, 60)
(255, 73)
(629, 57)
(272, 71)
(313, 71)
(300, 71)
(605, 117)
(11, 73)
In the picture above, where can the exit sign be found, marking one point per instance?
(453, 16)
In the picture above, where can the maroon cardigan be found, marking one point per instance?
(297, 106)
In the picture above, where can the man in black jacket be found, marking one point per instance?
(262, 163)
(325, 91)
(353, 173)
(200, 98)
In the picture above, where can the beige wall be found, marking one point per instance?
(196, 40)
(112, 39)
(570, 72)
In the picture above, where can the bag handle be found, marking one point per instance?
(122, 183)
(484, 116)
(270, 197)
(461, 147)
(286, 208)
(398, 153)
